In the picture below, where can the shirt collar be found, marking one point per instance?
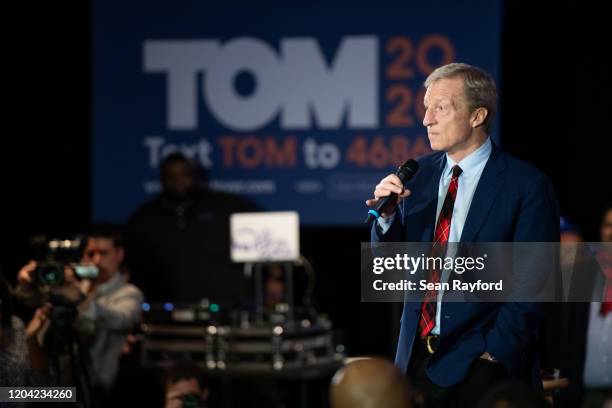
(472, 162)
(111, 285)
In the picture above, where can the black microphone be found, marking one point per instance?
(405, 173)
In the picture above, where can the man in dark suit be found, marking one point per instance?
(587, 326)
(469, 190)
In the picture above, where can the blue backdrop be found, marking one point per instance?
(299, 107)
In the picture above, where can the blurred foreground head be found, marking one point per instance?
(369, 383)
(185, 386)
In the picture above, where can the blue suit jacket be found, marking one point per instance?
(513, 202)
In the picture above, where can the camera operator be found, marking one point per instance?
(185, 386)
(106, 306)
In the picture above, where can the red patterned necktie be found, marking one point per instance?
(428, 307)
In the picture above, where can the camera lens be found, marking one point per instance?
(50, 274)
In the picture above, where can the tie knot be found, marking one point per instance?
(457, 171)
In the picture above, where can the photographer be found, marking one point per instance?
(105, 305)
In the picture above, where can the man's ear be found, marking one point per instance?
(120, 254)
(478, 117)
(204, 394)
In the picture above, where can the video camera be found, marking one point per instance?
(192, 401)
(53, 255)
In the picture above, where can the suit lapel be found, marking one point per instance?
(489, 186)
(432, 187)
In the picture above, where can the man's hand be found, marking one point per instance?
(69, 275)
(25, 274)
(388, 185)
(70, 291)
(38, 321)
(487, 356)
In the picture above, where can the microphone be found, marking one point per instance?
(405, 173)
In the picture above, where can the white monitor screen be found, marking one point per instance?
(265, 236)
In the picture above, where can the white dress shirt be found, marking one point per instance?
(472, 166)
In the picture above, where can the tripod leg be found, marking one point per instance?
(81, 376)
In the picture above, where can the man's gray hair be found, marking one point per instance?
(479, 87)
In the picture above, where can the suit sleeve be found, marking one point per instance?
(394, 233)
(517, 322)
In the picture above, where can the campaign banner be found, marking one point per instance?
(299, 107)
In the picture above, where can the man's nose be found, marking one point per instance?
(428, 119)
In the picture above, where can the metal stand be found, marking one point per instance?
(256, 270)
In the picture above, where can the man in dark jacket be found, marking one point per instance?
(179, 244)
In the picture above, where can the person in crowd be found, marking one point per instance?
(370, 383)
(22, 362)
(178, 243)
(106, 309)
(468, 190)
(185, 385)
(587, 333)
